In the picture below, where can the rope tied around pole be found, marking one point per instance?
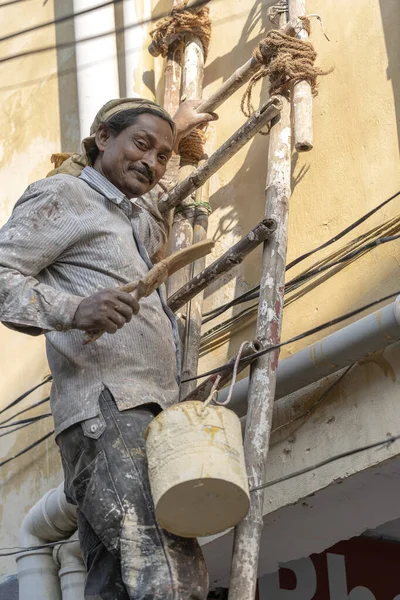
(181, 22)
(191, 147)
(286, 60)
(206, 206)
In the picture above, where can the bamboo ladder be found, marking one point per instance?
(188, 57)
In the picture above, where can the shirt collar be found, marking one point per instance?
(102, 185)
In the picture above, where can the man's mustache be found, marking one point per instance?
(144, 171)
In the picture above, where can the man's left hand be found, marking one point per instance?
(187, 118)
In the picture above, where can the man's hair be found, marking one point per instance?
(123, 119)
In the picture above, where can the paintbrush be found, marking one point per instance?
(157, 275)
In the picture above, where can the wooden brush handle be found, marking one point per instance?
(157, 275)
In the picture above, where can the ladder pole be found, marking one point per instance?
(302, 94)
(195, 306)
(247, 535)
(172, 86)
(243, 74)
(182, 226)
(189, 226)
(259, 119)
(229, 260)
(171, 98)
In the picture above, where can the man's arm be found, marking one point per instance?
(187, 118)
(156, 231)
(43, 225)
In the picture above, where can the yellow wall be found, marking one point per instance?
(30, 133)
(353, 167)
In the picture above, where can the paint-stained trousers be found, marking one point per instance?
(127, 554)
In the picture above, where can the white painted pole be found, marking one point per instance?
(96, 61)
(247, 536)
(302, 94)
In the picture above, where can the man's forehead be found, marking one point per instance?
(155, 128)
(147, 119)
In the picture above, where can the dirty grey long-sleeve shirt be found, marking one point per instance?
(68, 238)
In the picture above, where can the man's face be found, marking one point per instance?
(136, 159)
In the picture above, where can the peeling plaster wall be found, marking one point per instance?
(30, 133)
(353, 167)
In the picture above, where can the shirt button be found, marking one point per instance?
(59, 327)
(94, 428)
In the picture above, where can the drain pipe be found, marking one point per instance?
(135, 39)
(338, 350)
(72, 571)
(50, 520)
(96, 59)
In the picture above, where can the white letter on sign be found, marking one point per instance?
(338, 581)
(306, 582)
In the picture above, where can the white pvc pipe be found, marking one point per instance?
(72, 571)
(331, 354)
(50, 520)
(96, 61)
(38, 576)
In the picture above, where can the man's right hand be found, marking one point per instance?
(107, 310)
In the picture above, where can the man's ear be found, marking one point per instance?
(102, 137)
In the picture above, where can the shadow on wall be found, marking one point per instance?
(390, 11)
(257, 149)
(249, 181)
(235, 57)
(243, 183)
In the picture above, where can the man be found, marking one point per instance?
(72, 240)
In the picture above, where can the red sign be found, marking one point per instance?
(357, 569)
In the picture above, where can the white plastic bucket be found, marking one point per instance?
(197, 470)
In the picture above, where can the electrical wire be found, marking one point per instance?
(327, 461)
(116, 31)
(59, 20)
(338, 260)
(19, 549)
(26, 424)
(4, 4)
(316, 403)
(249, 311)
(251, 294)
(42, 439)
(25, 394)
(291, 285)
(25, 410)
(342, 233)
(305, 334)
(14, 430)
(347, 257)
(11, 551)
(26, 421)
